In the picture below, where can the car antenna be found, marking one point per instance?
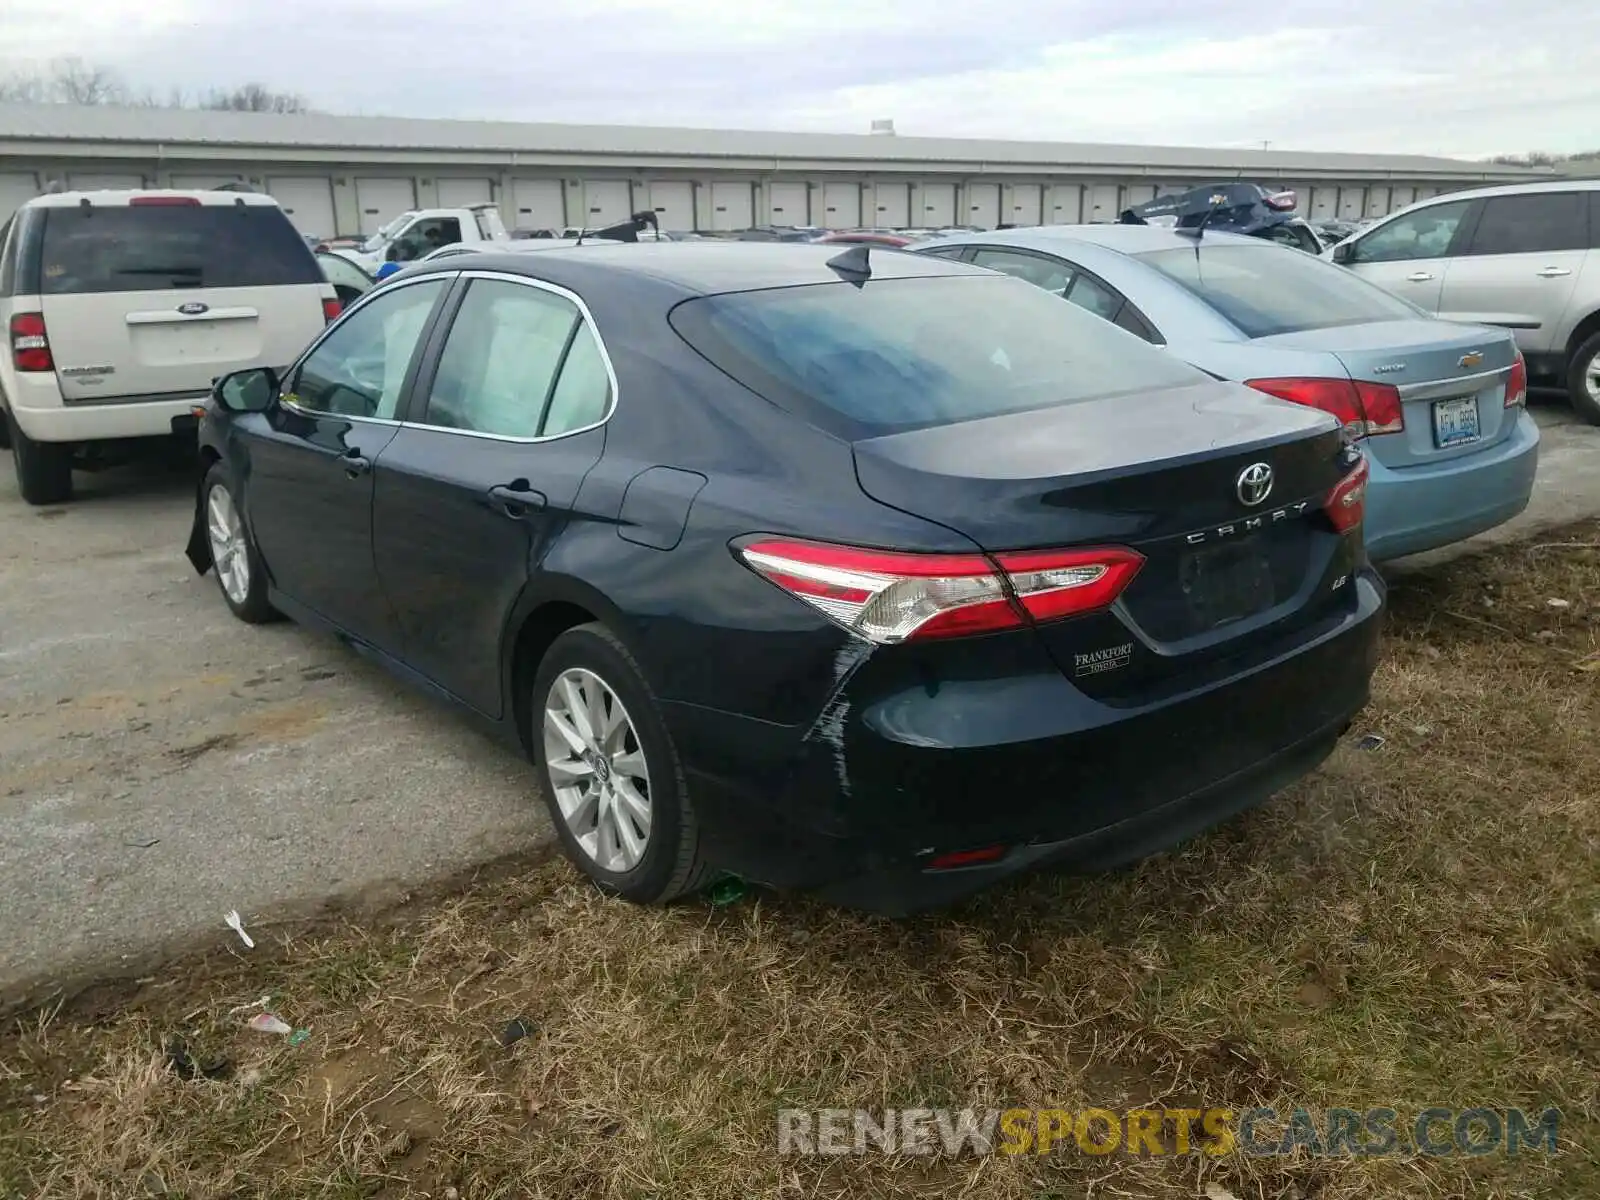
(1198, 231)
(854, 264)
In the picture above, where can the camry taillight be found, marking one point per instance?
(890, 596)
(1346, 505)
(331, 309)
(30, 344)
(1364, 409)
(1517, 382)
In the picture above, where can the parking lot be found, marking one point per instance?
(161, 763)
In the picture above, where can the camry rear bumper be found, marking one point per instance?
(1037, 771)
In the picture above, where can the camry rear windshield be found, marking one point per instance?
(897, 354)
(149, 247)
(1265, 289)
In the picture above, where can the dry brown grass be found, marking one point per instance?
(1416, 925)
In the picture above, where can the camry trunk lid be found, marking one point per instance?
(1219, 488)
(1451, 380)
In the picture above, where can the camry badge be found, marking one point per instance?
(194, 308)
(1254, 484)
(1470, 359)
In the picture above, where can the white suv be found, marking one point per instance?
(1524, 256)
(121, 307)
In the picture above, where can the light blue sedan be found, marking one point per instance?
(1440, 408)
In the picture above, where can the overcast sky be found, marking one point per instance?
(1468, 77)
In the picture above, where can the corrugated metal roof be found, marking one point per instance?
(174, 127)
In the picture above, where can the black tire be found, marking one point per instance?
(5, 429)
(251, 606)
(1583, 361)
(44, 469)
(673, 862)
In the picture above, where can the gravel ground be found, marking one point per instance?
(162, 763)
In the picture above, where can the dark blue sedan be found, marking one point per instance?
(844, 569)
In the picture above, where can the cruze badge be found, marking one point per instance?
(1248, 524)
(1254, 484)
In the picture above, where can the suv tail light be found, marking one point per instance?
(889, 596)
(1364, 409)
(330, 310)
(1517, 382)
(30, 344)
(1346, 504)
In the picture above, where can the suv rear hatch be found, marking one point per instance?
(1026, 424)
(149, 296)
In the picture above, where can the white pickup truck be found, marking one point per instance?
(413, 234)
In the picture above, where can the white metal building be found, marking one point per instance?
(345, 175)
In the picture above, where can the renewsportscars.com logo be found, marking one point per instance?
(1436, 1132)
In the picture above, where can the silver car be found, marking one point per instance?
(1524, 257)
(1439, 408)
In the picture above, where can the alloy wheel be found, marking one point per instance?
(229, 553)
(597, 770)
(1591, 378)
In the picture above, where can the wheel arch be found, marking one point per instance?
(541, 616)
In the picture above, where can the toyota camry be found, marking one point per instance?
(834, 568)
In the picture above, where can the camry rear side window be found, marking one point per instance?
(149, 247)
(1263, 290)
(904, 353)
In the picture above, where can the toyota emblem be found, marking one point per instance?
(1254, 484)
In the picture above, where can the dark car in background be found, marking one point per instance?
(839, 569)
(1244, 208)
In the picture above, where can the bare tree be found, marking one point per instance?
(74, 81)
(254, 97)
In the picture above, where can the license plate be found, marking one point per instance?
(1225, 583)
(1455, 422)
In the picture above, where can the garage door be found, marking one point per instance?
(90, 182)
(1138, 193)
(673, 202)
(1403, 196)
(382, 200)
(1324, 200)
(458, 193)
(1066, 205)
(606, 202)
(540, 204)
(938, 205)
(1102, 202)
(308, 203)
(1025, 201)
(16, 189)
(983, 205)
(1352, 202)
(841, 203)
(732, 206)
(1377, 201)
(891, 205)
(789, 203)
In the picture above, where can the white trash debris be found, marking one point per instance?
(267, 1023)
(236, 923)
(1556, 602)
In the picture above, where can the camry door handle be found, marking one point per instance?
(516, 499)
(1419, 277)
(355, 464)
(1553, 272)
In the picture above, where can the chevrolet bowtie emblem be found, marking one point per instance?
(1470, 359)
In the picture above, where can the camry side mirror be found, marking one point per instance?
(251, 390)
(1345, 252)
